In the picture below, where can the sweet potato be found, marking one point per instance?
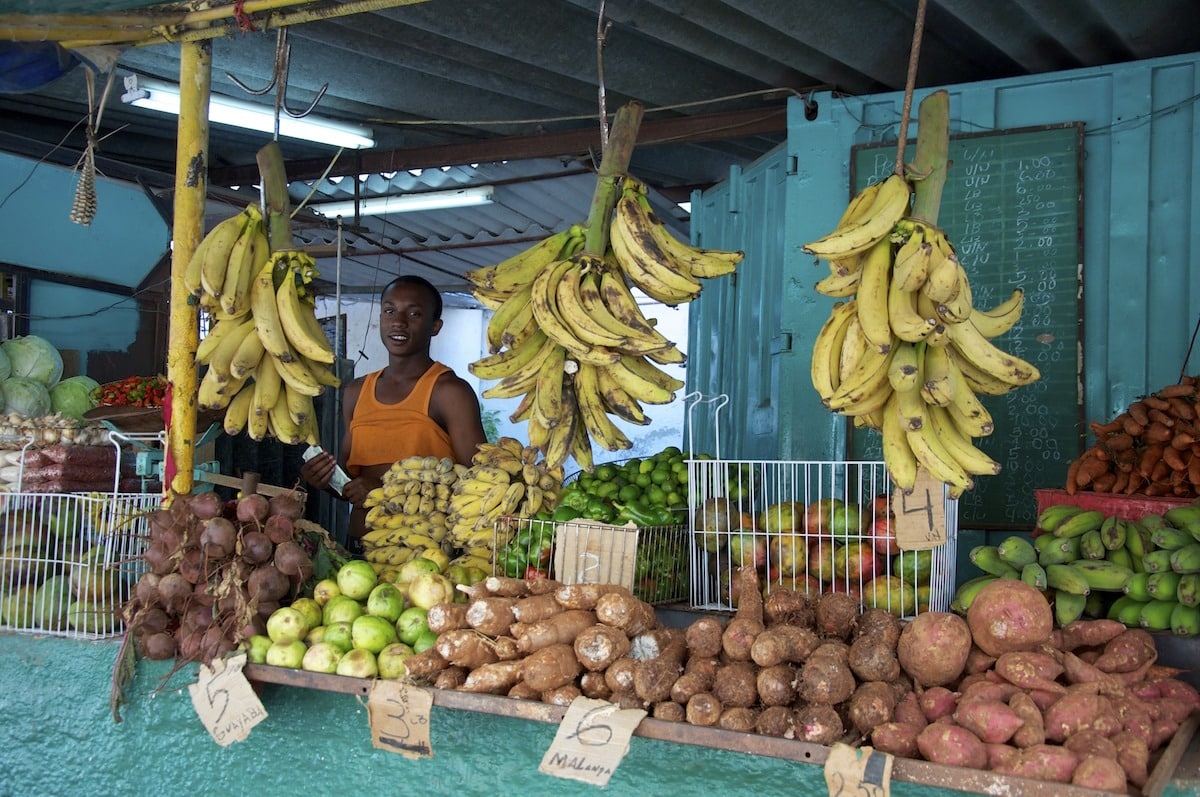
(978, 661)
(1007, 615)
(819, 724)
(896, 738)
(560, 629)
(1087, 743)
(933, 648)
(668, 711)
(621, 610)
(1133, 755)
(908, 710)
(738, 718)
(945, 743)
(704, 636)
(593, 685)
(535, 608)
(446, 617)
(991, 720)
(1162, 731)
(871, 704)
(1089, 633)
(783, 643)
(873, 658)
(825, 676)
(495, 678)
(1078, 671)
(703, 709)
(1042, 762)
(551, 667)
(492, 615)
(1030, 670)
(777, 721)
(1094, 772)
(787, 606)
(1077, 711)
(1127, 651)
(835, 615)
(988, 690)
(1032, 731)
(776, 685)
(736, 684)
(465, 647)
(599, 645)
(451, 678)
(937, 702)
(1043, 699)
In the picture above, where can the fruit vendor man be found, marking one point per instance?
(414, 406)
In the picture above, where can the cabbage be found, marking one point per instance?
(25, 396)
(5, 366)
(73, 397)
(34, 357)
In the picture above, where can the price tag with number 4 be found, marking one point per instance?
(920, 522)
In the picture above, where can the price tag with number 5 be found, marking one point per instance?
(225, 701)
(920, 522)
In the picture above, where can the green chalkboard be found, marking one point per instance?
(1012, 208)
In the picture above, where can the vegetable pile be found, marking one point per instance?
(645, 492)
(132, 391)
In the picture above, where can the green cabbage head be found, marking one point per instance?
(34, 357)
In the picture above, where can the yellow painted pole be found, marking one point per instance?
(191, 189)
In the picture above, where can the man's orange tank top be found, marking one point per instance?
(381, 434)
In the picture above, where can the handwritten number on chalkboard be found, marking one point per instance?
(591, 732)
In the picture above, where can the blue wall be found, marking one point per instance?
(1141, 242)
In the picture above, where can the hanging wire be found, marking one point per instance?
(910, 83)
(602, 29)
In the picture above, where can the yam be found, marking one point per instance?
(668, 711)
(505, 587)
(1094, 772)
(423, 667)
(871, 705)
(563, 695)
(1127, 651)
(951, 745)
(621, 610)
(825, 677)
(1008, 615)
(551, 667)
(787, 606)
(653, 643)
(873, 658)
(938, 702)
(1032, 731)
(703, 636)
(876, 622)
(779, 721)
(599, 645)
(523, 691)
(492, 615)
(654, 677)
(703, 709)
(835, 615)
(776, 685)
(493, 679)
(688, 684)
(446, 617)
(933, 648)
(779, 644)
(745, 585)
(465, 647)
(896, 738)
(1042, 762)
(736, 684)
(535, 608)
(819, 724)
(991, 720)
(560, 629)
(738, 718)
(593, 685)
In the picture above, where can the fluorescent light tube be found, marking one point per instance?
(407, 203)
(163, 97)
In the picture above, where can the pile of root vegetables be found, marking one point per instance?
(215, 571)
(1001, 689)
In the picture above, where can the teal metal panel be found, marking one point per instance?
(1141, 236)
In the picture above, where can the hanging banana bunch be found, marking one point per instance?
(908, 353)
(267, 357)
(568, 336)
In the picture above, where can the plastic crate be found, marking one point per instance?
(1126, 507)
(652, 561)
(814, 526)
(69, 560)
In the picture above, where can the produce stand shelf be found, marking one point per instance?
(912, 771)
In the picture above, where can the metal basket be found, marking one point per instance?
(69, 560)
(814, 526)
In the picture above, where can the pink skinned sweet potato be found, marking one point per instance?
(1030, 670)
(952, 745)
(1077, 711)
(1133, 755)
(1032, 731)
(937, 701)
(908, 711)
(1042, 762)
(1090, 633)
(1095, 772)
(1127, 651)
(1009, 615)
(896, 738)
(933, 648)
(991, 720)
(1000, 754)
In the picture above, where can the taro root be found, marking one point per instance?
(787, 606)
(836, 614)
(819, 724)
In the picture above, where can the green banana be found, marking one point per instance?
(1068, 607)
(1186, 559)
(1102, 574)
(1151, 522)
(1052, 516)
(1113, 532)
(1091, 545)
(965, 595)
(1157, 561)
(1058, 550)
(1034, 575)
(1096, 604)
(1077, 525)
(1188, 590)
(987, 558)
(1183, 516)
(1156, 615)
(1185, 620)
(1138, 586)
(1126, 609)
(1121, 557)
(1017, 551)
(1066, 578)
(1170, 538)
(1163, 586)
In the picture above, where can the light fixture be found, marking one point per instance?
(159, 96)
(407, 203)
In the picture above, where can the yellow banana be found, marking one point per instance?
(216, 333)
(236, 413)
(969, 457)
(965, 408)
(905, 318)
(871, 368)
(299, 321)
(636, 340)
(223, 354)
(544, 302)
(854, 346)
(509, 361)
(904, 370)
(1001, 318)
(699, 262)
(214, 392)
(247, 356)
(321, 372)
(941, 283)
(299, 405)
(644, 262)
(547, 403)
(938, 383)
(524, 378)
(266, 312)
(616, 399)
(839, 285)
(827, 349)
(509, 276)
(958, 308)
(934, 457)
(512, 322)
(267, 384)
(909, 403)
(984, 355)
(872, 295)
(897, 455)
(638, 386)
(575, 316)
(889, 205)
(296, 374)
(241, 261)
(281, 424)
(912, 260)
(600, 427)
(217, 251)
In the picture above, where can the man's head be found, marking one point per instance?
(412, 279)
(410, 314)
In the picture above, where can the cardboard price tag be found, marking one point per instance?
(591, 741)
(857, 772)
(399, 717)
(920, 521)
(225, 701)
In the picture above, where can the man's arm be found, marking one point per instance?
(455, 407)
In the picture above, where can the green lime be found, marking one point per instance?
(643, 480)
(661, 475)
(656, 495)
(630, 492)
(647, 465)
(675, 498)
(605, 472)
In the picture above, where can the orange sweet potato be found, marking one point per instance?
(1042, 762)
(1077, 711)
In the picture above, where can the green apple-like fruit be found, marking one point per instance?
(385, 601)
(321, 657)
(356, 579)
(358, 663)
(287, 625)
(411, 623)
(373, 633)
(256, 648)
(390, 660)
(341, 609)
(286, 654)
